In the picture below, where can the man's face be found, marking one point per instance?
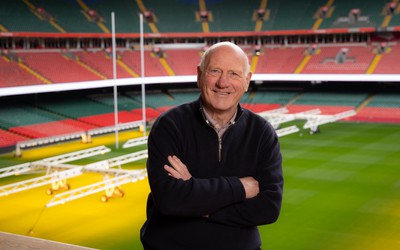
(224, 80)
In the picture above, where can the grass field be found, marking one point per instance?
(342, 191)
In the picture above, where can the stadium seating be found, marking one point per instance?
(290, 13)
(326, 110)
(357, 60)
(17, 16)
(47, 116)
(378, 114)
(389, 63)
(12, 75)
(18, 114)
(184, 96)
(74, 107)
(174, 16)
(383, 107)
(395, 19)
(124, 102)
(331, 99)
(152, 65)
(102, 63)
(126, 15)
(180, 16)
(57, 68)
(10, 139)
(260, 107)
(47, 129)
(279, 60)
(276, 97)
(155, 100)
(66, 14)
(388, 100)
(370, 11)
(86, 66)
(183, 61)
(239, 18)
(108, 119)
(49, 66)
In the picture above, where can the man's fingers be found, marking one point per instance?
(176, 163)
(177, 168)
(251, 186)
(171, 171)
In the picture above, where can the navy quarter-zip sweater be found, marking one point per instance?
(177, 209)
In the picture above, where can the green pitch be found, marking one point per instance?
(342, 191)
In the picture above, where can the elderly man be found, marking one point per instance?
(214, 168)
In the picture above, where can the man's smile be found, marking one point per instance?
(221, 92)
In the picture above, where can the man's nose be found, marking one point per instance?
(223, 80)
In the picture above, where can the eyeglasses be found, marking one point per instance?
(218, 73)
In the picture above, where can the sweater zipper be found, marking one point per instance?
(219, 142)
(219, 148)
(219, 138)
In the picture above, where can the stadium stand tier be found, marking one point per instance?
(79, 49)
(49, 115)
(27, 63)
(190, 16)
(41, 66)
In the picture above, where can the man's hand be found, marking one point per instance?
(178, 169)
(250, 186)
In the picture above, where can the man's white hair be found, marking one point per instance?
(208, 52)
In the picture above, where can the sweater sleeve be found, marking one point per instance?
(265, 207)
(176, 197)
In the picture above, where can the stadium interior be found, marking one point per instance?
(47, 44)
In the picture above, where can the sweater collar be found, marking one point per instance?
(199, 104)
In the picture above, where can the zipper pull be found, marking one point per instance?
(219, 149)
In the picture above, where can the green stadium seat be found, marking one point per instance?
(16, 16)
